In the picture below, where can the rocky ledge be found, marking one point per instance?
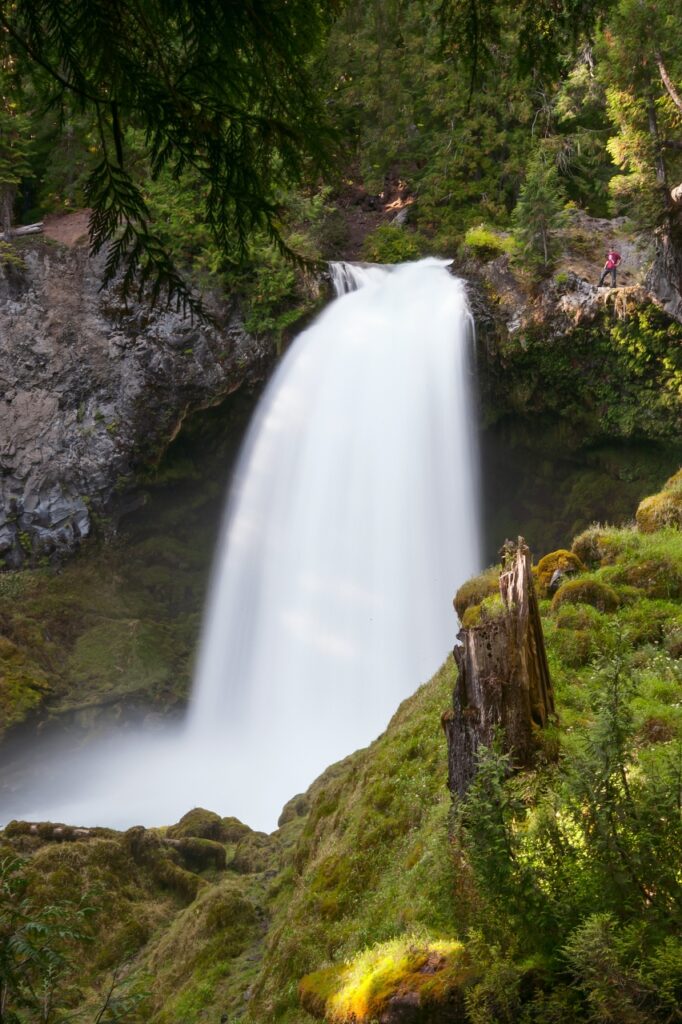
(92, 389)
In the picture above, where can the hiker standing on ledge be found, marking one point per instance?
(613, 258)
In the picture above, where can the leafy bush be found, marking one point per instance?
(392, 244)
(488, 244)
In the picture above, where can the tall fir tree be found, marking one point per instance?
(539, 212)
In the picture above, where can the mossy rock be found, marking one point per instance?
(297, 807)
(655, 577)
(401, 980)
(592, 547)
(564, 561)
(146, 849)
(255, 853)
(202, 824)
(171, 876)
(200, 854)
(590, 591)
(660, 510)
(233, 830)
(473, 591)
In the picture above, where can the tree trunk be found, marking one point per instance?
(503, 680)
(6, 210)
(659, 159)
(667, 82)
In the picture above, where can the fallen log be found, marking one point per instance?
(28, 229)
(503, 682)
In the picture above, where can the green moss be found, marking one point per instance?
(565, 561)
(23, 684)
(586, 591)
(474, 590)
(370, 863)
(132, 649)
(659, 511)
(201, 956)
(592, 546)
(656, 577)
(490, 608)
(428, 975)
(200, 854)
(201, 824)
(255, 852)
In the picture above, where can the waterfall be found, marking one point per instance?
(351, 521)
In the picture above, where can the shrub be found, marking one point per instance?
(488, 244)
(392, 244)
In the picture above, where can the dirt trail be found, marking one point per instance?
(67, 228)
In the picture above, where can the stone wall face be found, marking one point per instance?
(91, 390)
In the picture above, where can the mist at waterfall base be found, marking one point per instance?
(351, 521)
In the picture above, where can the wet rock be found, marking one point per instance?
(92, 390)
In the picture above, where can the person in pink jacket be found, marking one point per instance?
(613, 258)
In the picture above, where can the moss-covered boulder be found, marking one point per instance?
(233, 830)
(561, 562)
(587, 591)
(657, 577)
(200, 824)
(474, 590)
(662, 509)
(404, 980)
(297, 807)
(254, 853)
(200, 854)
(592, 546)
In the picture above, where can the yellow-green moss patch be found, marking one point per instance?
(660, 510)
(473, 591)
(564, 561)
(588, 591)
(421, 975)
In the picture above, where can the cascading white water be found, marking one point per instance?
(351, 522)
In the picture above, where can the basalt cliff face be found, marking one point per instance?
(91, 390)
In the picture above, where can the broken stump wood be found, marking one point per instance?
(503, 682)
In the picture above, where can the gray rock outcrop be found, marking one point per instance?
(90, 391)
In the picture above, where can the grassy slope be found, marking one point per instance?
(363, 880)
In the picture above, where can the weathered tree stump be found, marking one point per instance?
(503, 681)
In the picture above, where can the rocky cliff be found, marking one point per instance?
(93, 389)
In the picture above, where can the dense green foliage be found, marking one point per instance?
(222, 90)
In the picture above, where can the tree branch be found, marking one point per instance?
(667, 82)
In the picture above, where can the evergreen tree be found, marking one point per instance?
(539, 211)
(226, 89)
(639, 63)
